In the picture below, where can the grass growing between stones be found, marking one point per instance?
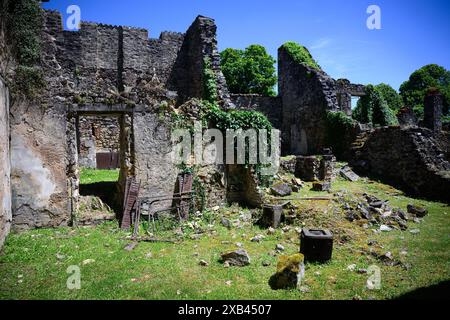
(33, 264)
(88, 176)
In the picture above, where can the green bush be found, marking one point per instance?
(373, 109)
(414, 90)
(392, 98)
(339, 127)
(300, 54)
(235, 119)
(249, 71)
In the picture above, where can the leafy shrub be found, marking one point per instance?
(373, 109)
(249, 71)
(414, 90)
(339, 127)
(300, 54)
(392, 98)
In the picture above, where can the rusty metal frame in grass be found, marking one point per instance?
(131, 202)
(180, 200)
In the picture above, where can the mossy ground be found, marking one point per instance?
(33, 264)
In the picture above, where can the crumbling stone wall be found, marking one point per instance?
(409, 158)
(271, 107)
(306, 94)
(187, 76)
(5, 169)
(345, 90)
(242, 186)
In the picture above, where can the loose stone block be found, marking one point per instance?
(237, 258)
(316, 245)
(347, 173)
(271, 216)
(322, 186)
(290, 272)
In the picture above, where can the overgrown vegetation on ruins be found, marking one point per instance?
(34, 263)
(300, 54)
(249, 71)
(24, 26)
(373, 109)
(339, 126)
(414, 90)
(391, 96)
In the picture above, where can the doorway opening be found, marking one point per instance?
(101, 162)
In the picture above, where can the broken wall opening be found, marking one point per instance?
(97, 193)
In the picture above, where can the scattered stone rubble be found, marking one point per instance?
(376, 212)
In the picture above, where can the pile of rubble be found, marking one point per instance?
(377, 212)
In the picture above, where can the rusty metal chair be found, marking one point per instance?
(181, 200)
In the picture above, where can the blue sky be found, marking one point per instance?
(413, 34)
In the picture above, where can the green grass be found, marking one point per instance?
(30, 269)
(88, 176)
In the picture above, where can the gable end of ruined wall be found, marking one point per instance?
(306, 95)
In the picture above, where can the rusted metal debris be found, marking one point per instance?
(131, 202)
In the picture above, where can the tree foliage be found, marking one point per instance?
(300, 54)
(391, 96)
(413, 91)
(249, 71)
(373, 109)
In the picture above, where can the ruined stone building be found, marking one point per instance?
(115, 81)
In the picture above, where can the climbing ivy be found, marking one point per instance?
(209, 82)
(231, 119)
(24, 26)
(373, 109)
(339, 126)
(300, 54)
(234, 119)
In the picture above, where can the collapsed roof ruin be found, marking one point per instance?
(118, 71)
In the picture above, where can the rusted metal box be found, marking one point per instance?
(316, 245)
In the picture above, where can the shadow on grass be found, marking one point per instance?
(439, 291)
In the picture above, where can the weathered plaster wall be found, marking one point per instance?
(271, 107)
(5, 180)
(154, 165)
(38, 166)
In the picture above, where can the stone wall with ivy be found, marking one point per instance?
(271, 107)
(199, 52)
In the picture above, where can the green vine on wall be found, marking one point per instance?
(24, 26)
(209, 82)
(339, 127)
